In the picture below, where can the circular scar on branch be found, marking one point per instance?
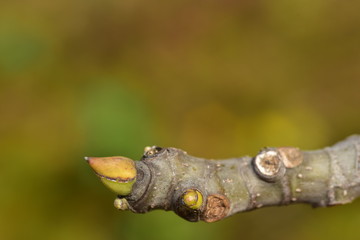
(217, 207)
(269, 165)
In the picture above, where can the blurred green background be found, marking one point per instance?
(216, 78)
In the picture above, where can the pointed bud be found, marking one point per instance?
(117, 173)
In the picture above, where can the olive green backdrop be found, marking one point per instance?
(216, 78)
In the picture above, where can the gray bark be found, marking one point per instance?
(276, 176)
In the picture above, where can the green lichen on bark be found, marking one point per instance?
(210, 190)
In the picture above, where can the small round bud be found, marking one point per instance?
(269, 165)
(151, 151)
(192, 198)
(121, 204)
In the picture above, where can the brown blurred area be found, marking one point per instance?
(215, 78)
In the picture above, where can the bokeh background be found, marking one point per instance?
(216, 78)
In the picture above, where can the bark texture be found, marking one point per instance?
(210, 190)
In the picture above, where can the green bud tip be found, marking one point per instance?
(117, 173)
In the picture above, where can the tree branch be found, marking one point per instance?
(210, 190)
